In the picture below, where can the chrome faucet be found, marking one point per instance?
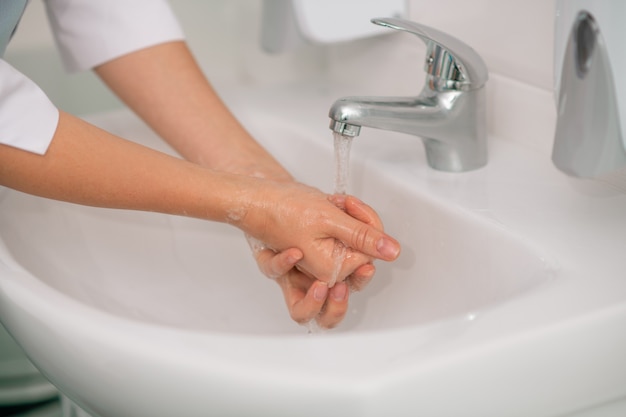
(449, 113)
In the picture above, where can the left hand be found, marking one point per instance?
(306, 297)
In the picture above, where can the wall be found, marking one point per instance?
(515, 37)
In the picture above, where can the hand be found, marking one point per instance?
(306, 297)
(292, 215)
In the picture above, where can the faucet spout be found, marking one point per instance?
(399, 114)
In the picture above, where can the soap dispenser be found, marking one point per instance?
(591, 100)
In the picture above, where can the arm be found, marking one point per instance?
(87, 165)
(165, 87)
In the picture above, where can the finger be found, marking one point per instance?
(336, 306)
(274, 264)
(361, 211)
(304, 299)
(357, 209)
(350, 263)
(341, 264)
(338, 265)
(361, 277)
(366, 239)
(363, 274)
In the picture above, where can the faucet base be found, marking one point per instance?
(449, 157)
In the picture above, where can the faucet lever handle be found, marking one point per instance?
(449, 59)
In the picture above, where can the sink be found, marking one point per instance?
(454, 262)
(199, 275)
(170, 313)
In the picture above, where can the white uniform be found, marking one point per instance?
(88, 33)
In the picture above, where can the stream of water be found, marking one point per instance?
(342, 177)
(342, 174)
(343, 144)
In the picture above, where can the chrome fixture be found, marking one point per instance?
(588, 140)
(449, 113)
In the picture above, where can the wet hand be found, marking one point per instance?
(307, 298)
(292, 215)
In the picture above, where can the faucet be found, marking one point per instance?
(449, 113)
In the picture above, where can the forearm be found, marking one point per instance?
(164, 86)
(87, 165)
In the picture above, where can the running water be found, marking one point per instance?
(342, 175)
(342, 171)
(342, 159)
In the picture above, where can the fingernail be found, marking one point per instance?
(320, 292)
(293, 259)
(339, 291)
(387, 248)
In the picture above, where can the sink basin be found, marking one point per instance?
(170, 313)
(199, 275)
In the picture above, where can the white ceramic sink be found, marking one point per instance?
(199, 275)
(141, 314)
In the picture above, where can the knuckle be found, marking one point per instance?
(360, 237)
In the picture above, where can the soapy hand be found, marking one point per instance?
(306, 297)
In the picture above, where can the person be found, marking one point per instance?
(138, 49)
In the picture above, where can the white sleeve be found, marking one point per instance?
(28, 119)
(92, 32)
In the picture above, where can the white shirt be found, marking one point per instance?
(88, 33)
